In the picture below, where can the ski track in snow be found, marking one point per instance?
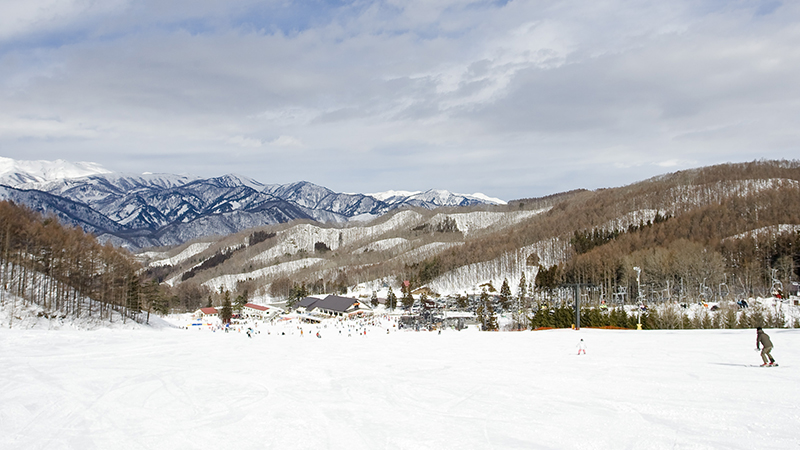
(198, 389)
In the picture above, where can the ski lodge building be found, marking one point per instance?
(206, 313)
(260, 312)
(332, 306)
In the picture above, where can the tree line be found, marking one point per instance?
(67, 272)
(705, 254)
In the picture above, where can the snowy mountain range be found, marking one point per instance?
(149, 210)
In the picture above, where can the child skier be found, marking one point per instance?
(581, 347)
(762, 340)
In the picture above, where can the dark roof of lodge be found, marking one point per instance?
(306, 302)
(209, 310)
(330, 303)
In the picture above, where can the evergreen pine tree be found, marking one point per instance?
(391, 299)
(296, 293)
(480, 314)
(227, 309)
(522, 292)
(374, 300)
(486, 315)
(505, 295)
(462, 302)
(241, 299)
(408, 300)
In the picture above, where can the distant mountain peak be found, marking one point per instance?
(16, 172)
(233, 180)
(383, 196)
(486, 198)
(434, 197)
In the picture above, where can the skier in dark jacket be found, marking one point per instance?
(763, 342)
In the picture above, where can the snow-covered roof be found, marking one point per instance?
(258, 307)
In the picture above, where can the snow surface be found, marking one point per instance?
(383, 196)
(14, 171)
(197, 389)
(187, 253)
(382, 245)
(774, 229)
(482, 196)
(439, 197)
(229, 281)
(471, 222)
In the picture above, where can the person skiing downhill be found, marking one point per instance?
(581, 347)
(765, 344)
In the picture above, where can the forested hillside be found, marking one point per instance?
(723, 231)
(66, 273)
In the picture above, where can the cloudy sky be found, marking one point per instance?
(513, 99)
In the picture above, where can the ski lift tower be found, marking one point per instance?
(577, 293)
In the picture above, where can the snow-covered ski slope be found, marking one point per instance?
(197, 389)
(228, 282)
(185, 254)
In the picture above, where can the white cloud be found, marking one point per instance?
(21, 17)
(287, 141)
(514, 100)
(43, 128)
(245, 141)
(672, 163)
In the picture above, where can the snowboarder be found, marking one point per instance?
(581, 347)
(764, 344)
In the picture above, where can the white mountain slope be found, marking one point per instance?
(15, 172)
(303, 237)
(188, 252)
(434, 197)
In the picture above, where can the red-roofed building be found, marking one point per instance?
(262, 312)
(206, 313)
